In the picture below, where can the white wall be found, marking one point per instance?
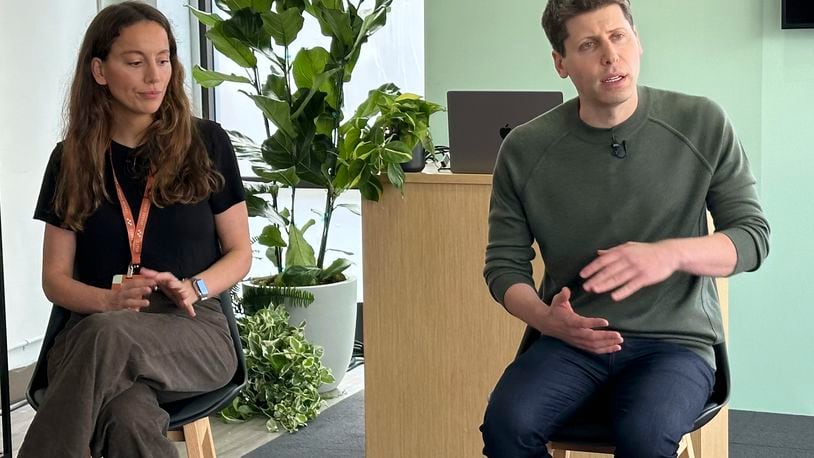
(39, 40)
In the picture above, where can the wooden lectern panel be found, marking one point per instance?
(435, 340)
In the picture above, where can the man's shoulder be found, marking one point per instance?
(547, 127)
(679, 107)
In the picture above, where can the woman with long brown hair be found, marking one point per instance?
(145, 224)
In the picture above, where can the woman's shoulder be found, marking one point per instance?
(213, 136)
(209, 130)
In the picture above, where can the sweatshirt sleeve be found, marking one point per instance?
(509, 250)
(733, 202)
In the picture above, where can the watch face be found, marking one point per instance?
(200, 286)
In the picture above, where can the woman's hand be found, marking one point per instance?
(132, 294)
(180, 292)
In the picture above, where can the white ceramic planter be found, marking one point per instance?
(331, 324)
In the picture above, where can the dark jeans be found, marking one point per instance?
(108, 372)
(656, 391)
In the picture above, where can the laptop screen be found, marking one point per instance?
(479, 120)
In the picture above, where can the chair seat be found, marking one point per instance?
(596, 429)
(188, 410)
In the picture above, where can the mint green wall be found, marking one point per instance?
(763, 76)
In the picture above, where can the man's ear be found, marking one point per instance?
(638, 40)
(558, 64)
(98, 71)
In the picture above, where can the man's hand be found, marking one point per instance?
(560, 321)
(180, 292)
(627, 268)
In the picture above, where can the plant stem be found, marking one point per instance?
(330, 195)
(278, 252)
(287, 73)
(330, 202)
(260, 92)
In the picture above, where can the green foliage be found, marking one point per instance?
(264, 293)
(284, 372)
(303, 98)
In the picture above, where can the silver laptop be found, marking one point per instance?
(480, 120)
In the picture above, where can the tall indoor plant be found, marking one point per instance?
(302, 97)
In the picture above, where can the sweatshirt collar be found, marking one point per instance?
(621, 131)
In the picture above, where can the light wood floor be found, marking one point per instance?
(231, 441)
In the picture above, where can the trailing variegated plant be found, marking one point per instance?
(284, 372)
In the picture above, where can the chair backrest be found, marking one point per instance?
(39, 380)
(181, 412)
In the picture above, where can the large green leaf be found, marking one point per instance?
(335, 23)
(287, 176)
(299, 252)
(278, 111)
(276, 86)
(326, 122)
(370, 187)
(256, 206)
(349, 142)
(396, 152)
(271, 237)
(283, 5)
(376, 99)
(209, 78)
(279, 151)
(298, 275)
(235, 5)
(321, 80)
(246, 26)
(244, 146)
(238, 52)
(207, 19)
(262, 5)
(308, 63)
(284, 26)
(372, 22)
(333, 270)
(396, 176)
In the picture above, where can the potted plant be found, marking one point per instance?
(303, 98)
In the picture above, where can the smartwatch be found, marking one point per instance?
(200, 288)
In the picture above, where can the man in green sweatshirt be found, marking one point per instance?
(614, 187)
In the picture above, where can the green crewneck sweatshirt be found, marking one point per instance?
(557, 183)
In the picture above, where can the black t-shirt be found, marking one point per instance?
(178, 238)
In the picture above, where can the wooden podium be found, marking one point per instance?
(435, 340)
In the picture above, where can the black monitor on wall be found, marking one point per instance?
(798, 14)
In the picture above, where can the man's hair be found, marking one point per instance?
(558, 12)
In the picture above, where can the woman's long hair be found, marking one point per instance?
(183, 171)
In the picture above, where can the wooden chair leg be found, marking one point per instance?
(560, 454)
(685, 449)
(198, 438)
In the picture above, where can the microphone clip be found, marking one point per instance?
(618, 150)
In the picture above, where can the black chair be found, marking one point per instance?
(189, 418)
(591, 431)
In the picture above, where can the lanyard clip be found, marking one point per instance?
(133, 269)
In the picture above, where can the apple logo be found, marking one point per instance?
(504, 131)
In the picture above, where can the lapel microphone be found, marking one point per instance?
(618, 150)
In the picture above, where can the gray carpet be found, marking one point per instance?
(338, 432)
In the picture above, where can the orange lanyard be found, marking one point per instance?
(135, 232)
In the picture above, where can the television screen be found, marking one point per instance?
(798, 14)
